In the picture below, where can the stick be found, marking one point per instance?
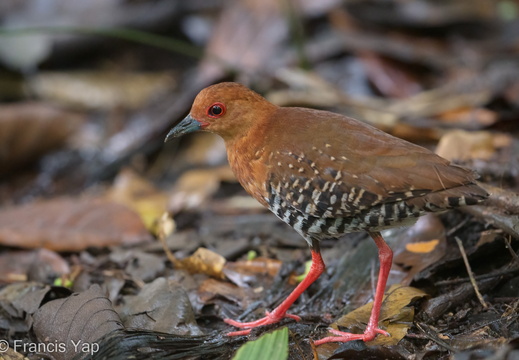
(471, 275)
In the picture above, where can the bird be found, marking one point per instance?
(325, 175)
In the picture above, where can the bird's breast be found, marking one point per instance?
(250, 171)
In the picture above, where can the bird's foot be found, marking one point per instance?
(270, 318)
(341, 336)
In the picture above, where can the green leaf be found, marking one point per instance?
(271, 346)
(301, 277)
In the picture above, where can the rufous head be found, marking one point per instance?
(227, 109)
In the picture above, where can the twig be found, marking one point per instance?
(457, 227)
(469, 271)
(509, 247)
(432, 335)
(507, 271)
(166, 227)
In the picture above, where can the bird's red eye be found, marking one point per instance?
(216, 110)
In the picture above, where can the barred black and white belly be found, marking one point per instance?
(375, 218)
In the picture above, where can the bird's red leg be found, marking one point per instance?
(280, 312)
(385, 256)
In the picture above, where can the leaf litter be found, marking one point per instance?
(88, 180)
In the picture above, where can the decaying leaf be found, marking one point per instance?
(395, 315)
(29, 130)
(161, 305)
(206, 262)
(19, 300)
(212, 289)
(427, 245)
(140, 195)
(143, 266)
(463, 145)
(245, 272)
(195, 186)
(11, 354)
(469, 117)
(251, 49)
(101, 89)
(83, 317)
(70, 224)
(41, 264)
(389, 77)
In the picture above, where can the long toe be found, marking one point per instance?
(341, 336)
(270, 318)
(239, 333)
(248, 325)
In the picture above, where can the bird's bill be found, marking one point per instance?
(186, 126)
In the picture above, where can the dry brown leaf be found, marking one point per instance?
(195, 186)
(204, 261)
(251, 49)
(428, 245)
(247, 273)
(29, 130)
(11, 354)
(257, 266)
(162, 305)
(70, 224)
(389, 77)
(464, 145)
(44, 264)
(137, 193)
(82, 318)
(101, 89)
(395, 315)
(212, 288)
(469, 117)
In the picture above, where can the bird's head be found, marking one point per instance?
(227, 109)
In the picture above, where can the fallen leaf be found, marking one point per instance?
(395, 315)
(469, 117)
(204, 261)
(145, 267)
(427, 245)
(162, 305)
(246, 272)
(194, 187)
(103, 90)
(21, 265)
(464, 145)
(137, 193)
(19, 300)
(212, 289)
(30, 130)
(84, 317)
(391, 78)
(11, 354)
(252, 49)
(70, 224)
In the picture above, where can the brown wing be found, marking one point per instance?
(339, 167)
